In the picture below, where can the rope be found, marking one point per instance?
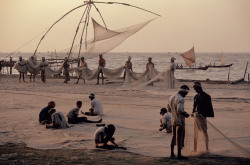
(235, 144)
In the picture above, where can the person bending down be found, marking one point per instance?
(103, 135)
(165, 120)
(58, 120)
(73, 115)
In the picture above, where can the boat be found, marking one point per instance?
(219, 66)
(193, 68)
(189, 58)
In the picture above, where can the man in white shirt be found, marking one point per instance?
(176, 107)
(96, 107)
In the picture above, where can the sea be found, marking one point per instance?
(161, 61)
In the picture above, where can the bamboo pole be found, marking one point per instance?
(228, 74)
(245, 71)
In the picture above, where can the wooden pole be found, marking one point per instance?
(10, 65)
(228, 74)
(245, 71)
(56, 60)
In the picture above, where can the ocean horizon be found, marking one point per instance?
(161, 61)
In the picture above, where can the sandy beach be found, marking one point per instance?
(135, 113)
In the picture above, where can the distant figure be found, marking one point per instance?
(168, 76)
(83, 64)
(171, 76)
(43, 64)
(11, 65)
(128, 66)
(44, 116)
(66, 70)
(101, 63)
(74, 113)
(165, 120)
(202, 109)
(21, 66)
(150, 65)
(58, 120)
(176, 107)
(96, 107)
(103, 135)
(150, 70)
(32, 67)
(1, 67)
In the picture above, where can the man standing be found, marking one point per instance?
(101, 64)
(96, 107)
(171, 74)
(65, 69)
(21, 66)
(128, 66)
(83, 64)
(202, 109)
(176, 107)
(43, 64)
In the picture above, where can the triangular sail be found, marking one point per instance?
(189, 57)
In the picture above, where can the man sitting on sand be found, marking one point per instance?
(96, 107)
(58, 120)
(103, 135)
(44, 116)
(165, 120)
(73, 115)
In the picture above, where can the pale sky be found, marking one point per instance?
(211, 25)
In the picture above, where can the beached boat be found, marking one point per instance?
(193, 68)
(219, 66)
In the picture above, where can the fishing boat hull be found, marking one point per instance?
(220, 66)
(200, 68)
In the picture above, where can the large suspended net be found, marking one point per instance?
(105, 40)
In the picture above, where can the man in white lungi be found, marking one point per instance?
(176, 107)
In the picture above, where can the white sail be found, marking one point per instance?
(189, 57)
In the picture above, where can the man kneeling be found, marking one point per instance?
(103, 135)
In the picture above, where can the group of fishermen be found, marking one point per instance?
(53, 119)
(173, 117)
(34, 68)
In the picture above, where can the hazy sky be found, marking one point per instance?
(211, 25)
